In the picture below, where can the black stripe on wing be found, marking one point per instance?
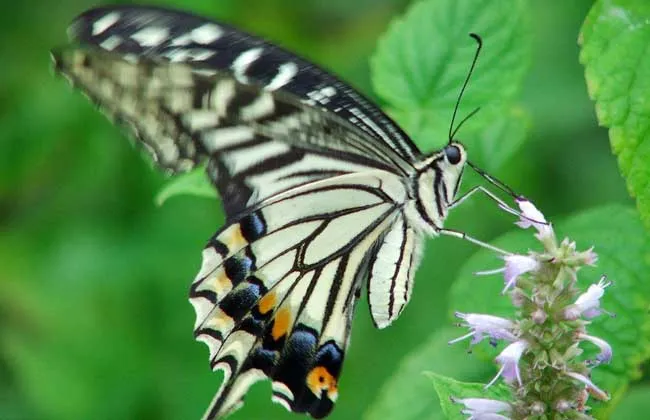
(266, 314)
(258, 143)
(182, 37)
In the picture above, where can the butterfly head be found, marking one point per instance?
(451, 165)
(438, 180)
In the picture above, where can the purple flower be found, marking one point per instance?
(515, 266)
(509, 361)
(530, 216)
(589, 257)
(590, 386)
(605, 354)
(483, 408)
(588, 303)
(482, 326)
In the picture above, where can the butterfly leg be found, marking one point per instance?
(462, 235)
(502, 205)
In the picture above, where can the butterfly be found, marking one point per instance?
(323, 193)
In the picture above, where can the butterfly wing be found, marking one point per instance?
(276, 291)
(256, 143)
(391, 272)
(311, 175)
(183, 37)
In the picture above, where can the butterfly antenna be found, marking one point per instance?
(452, 132)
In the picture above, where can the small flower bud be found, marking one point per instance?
(581, 400)
(518, 298)
(537, 408)
(588, 257)
(539, 316)
(562, 406)
(572, 352)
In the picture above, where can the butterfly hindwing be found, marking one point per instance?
(270, 306)
(391, 272)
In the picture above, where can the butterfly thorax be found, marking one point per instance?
(434, 187)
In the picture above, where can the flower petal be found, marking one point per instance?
(509, 361)
(483, 405)
(516, 265)
(605, 355)
(482, 325)
(590, 386)
(588, 303)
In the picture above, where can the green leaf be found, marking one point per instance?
(408, 394)
(623, 254)
(615, 38)
(194, 182)
(422, 61)
(491, 139)
(448, 388)
(634, 402)
(495, 142)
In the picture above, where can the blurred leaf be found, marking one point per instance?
(634, 402)
(408, 394)
(448, 388)
(623, 253)
(194, 182)
(498, 141)
(492, 137)
(423, 59)
(614, 40)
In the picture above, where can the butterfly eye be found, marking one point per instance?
(453, 154)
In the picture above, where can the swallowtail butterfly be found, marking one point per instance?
(322, 191)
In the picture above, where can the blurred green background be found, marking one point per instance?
(94, 318)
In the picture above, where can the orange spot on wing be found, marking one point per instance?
(281, 323)
(233, 238)
(319, 379)
(267, 303)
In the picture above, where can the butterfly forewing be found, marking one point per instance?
(182, 37)
(316, 183)
(257, 143)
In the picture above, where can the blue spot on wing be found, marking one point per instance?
(239, 302)
(237, 268)
(330, 356)
(252, 226)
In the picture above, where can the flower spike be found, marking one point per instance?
(543, 337)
